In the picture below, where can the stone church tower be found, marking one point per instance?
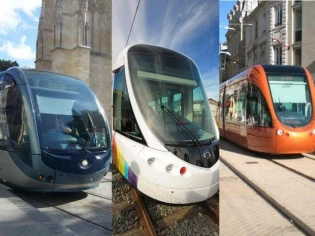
(74, 38)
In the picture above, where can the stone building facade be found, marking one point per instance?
(74, 38)
(266, 40)
(277, 33)
(235, 36)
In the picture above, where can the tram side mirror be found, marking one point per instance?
(219, 103)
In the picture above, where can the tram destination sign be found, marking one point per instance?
(53, 85)
(292, 78)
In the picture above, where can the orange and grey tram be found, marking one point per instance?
(269, 109)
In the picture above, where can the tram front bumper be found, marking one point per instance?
(68, 182)
(176, 196)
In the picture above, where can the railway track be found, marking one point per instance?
(292, 165)
(151, 217)
(298, 172)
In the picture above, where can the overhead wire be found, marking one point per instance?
(133, 22)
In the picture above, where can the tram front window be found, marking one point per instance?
(68, 115)
(291, 99)
(170, 94)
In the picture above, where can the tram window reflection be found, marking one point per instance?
(69, 104)
(258, 113)
(124, 119)
(13, 114)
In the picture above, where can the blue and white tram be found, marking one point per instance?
(54, 135)
(165, 141)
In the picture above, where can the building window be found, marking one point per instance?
(297, 57)
(256, 29)
(250, 31)
(278, 55)
(298, 26)
(278, 15)
(255, 58)
(264, 23)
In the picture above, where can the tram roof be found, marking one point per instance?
(287, 69)
(276, 69)
(123, 54)
(18, 73)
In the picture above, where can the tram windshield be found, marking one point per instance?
(68, 115)
(171, 97)
(291, 98)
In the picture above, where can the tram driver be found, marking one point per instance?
(60, 126)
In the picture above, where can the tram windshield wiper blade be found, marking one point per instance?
(181, 125)
(88, 143)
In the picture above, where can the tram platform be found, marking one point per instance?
(245, 211)
(20, 218)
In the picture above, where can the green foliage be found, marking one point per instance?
(6, 64)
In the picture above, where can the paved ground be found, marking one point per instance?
(19, 218)
(294, 193)
(243, 212)
(28, 214)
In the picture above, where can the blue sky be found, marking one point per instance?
(225, 8)
(18, 31)
(190, 27)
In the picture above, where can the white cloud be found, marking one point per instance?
(178, 22)
(194, 17)
(10, 17)
(18, 51)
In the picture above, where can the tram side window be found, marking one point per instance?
(13, 114)
(235, 102)
(229, 104)
(220, 111)
(258, 113)
(200, 104)
(124, 119)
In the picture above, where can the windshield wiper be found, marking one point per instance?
(88, 144)
(181, 125)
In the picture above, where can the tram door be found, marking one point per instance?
(234, 112)
(241, 96)
(258, 119)
(219, 118)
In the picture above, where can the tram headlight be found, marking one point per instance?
(279, 132)
(151, 160)
(313, 132)
(169, 167)
(84, 163)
